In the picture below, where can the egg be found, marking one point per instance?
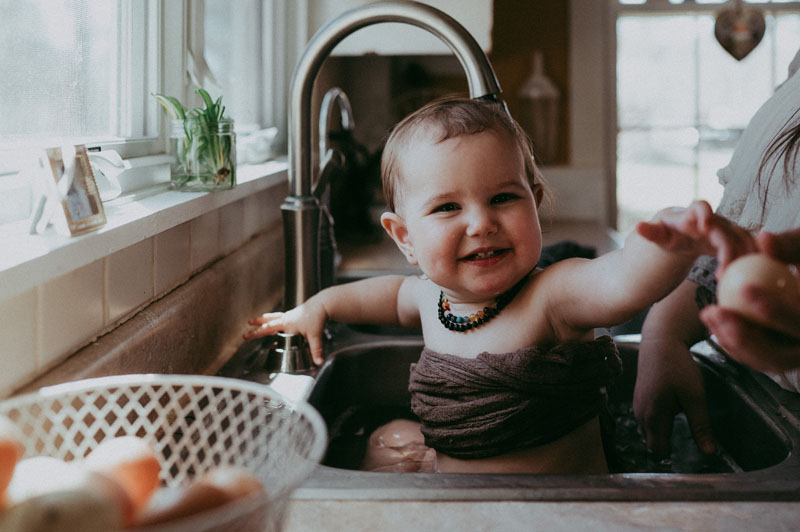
(237, 482)
(46, 494)
(11, 451)
(218, 486)
(757, 270)
(130, 461)
(177, 502)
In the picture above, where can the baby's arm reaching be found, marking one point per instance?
(655, 259)
(379, 300)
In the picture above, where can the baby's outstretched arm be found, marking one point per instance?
(379, 300)
(655, 259)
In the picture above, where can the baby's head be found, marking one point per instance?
(445, 119)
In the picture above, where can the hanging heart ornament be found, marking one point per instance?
(739, 28)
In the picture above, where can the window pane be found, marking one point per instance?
(233, 44)
(656, 70)
(58, 68)
(683, 101)
(731, 91)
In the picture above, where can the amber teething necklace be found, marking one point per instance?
(465, 323)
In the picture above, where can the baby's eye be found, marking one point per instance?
(446, 207)
(504, 197)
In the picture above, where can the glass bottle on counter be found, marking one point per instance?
(204, 159)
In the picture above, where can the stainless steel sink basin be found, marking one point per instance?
(363, 384)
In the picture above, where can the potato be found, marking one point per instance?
(11, 451)
(46, 494)
(754, 270)
(130, 461)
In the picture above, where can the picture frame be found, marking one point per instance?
(81, 203)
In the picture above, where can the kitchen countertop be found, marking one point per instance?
(407, 516)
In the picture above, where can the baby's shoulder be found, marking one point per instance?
(417, 288)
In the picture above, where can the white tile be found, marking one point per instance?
(70, 312)
(205, 239)
(231, 233)
(18, 345)
(130, 279)
(172, 257)
(262, 211)
(251, 217)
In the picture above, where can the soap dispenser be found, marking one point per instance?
(538, 100)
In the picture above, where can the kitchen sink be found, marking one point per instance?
(364, 384)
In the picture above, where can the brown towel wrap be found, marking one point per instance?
(498, 403)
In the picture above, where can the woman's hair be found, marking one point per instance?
(450, 118)
(784, 146)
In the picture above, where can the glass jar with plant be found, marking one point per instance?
(203, 142)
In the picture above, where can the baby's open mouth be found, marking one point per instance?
(483, 255)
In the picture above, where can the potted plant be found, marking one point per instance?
(203, 142)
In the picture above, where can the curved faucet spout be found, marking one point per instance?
(481, 79)
(301, 210)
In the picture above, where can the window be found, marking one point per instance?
(682, 101)
(77, 71)
(82, 71)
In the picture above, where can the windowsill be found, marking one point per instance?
(29, 260)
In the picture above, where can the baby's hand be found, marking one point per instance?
(307, 319)
(696, 230)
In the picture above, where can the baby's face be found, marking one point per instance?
(467, 215)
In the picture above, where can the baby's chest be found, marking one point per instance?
(498, 337)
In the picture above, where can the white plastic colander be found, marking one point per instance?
(195, 423)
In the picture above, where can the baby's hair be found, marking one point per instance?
(450, 118)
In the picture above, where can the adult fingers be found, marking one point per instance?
(700, 424)
(730, 241)
(784, 246)
(657, 431)
(758, 347)
(777, 310)
(655, 414)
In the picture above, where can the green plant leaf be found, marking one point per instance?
(173, 107)
(206, 98)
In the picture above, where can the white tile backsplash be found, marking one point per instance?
(18, 331)
(204, 239)
(231, 232)
(42, 326)
(251, 216)
(70, 312)
(130, 280)
(171, 258)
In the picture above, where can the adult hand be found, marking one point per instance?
(668, 380)
(770, 341)
(667, 384)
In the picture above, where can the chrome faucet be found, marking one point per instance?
(301, 208)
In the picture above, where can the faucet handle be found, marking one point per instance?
(332, 162)
(289, 353)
